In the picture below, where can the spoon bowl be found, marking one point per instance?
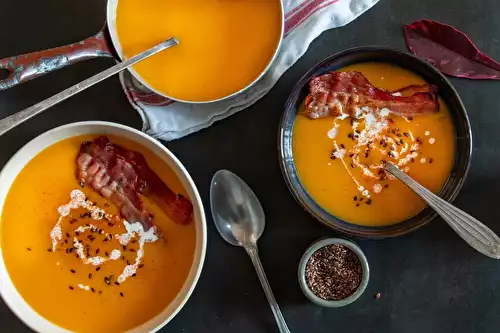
(237, 212)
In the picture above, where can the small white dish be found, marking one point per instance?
(315, 247)
(9, 293)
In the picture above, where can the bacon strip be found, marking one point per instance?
(342, 92)
(121, 176)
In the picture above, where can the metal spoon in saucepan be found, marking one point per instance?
(8, 123)
(240, 219)
(471, 230)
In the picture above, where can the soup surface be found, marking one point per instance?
(224, 44)
(336, 171)
(55, 281)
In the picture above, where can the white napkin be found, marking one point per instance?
(304, 21)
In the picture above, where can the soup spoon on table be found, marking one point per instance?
(8, 123)
(479, 236)
(240, 219)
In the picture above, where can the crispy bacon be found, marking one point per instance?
(342, 92)
(121, 176)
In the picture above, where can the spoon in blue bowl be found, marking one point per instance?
(240, 219)
(476, 234)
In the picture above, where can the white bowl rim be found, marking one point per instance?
(111, 19)
(201, 234)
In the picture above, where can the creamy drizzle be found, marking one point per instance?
(133, 231)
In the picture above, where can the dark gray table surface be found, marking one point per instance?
(430, 281)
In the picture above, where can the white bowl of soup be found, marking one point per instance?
(102, 230)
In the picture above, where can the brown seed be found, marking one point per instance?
(71, 250)
(352, 165)
(117, 283)
(124, 248)
(357, 205)
(386, 185)
(98, 268)
(121, 294)
(406, 134)
(431, 160)
(398, 135)
(106, 204)
(361, 199)
(355, 198)
(133, 241)
(100, 291)
(410, 118)
(67, 235)
(131, 250)
(77, 233)
(28, 249)
(71, 287)
(65, 241)
(106, 254)
(97, 251)
(342, 146)
(140, 266)
(93, 290)
(378, 295)
(50, 250)
(67, 250)
(90, 275)
(107, 281)
(72, 271)
(369, 201)
(134, 275)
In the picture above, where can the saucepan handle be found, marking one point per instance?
(29, 66)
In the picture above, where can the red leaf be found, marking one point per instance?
(449, 50)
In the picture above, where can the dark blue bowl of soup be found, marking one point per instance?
(461, 124)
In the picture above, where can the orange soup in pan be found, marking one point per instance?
(224, 44)
(333, 167)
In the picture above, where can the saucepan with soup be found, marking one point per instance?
(225, 46)
(355, 112)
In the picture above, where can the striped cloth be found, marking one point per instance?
(304, 21)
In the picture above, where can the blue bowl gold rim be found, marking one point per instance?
(463, 139)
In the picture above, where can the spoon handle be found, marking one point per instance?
(470, 229)
(12, 121)
(280, 321)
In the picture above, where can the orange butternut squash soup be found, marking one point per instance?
(224, 44)
(340, 156)
(71, 253)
